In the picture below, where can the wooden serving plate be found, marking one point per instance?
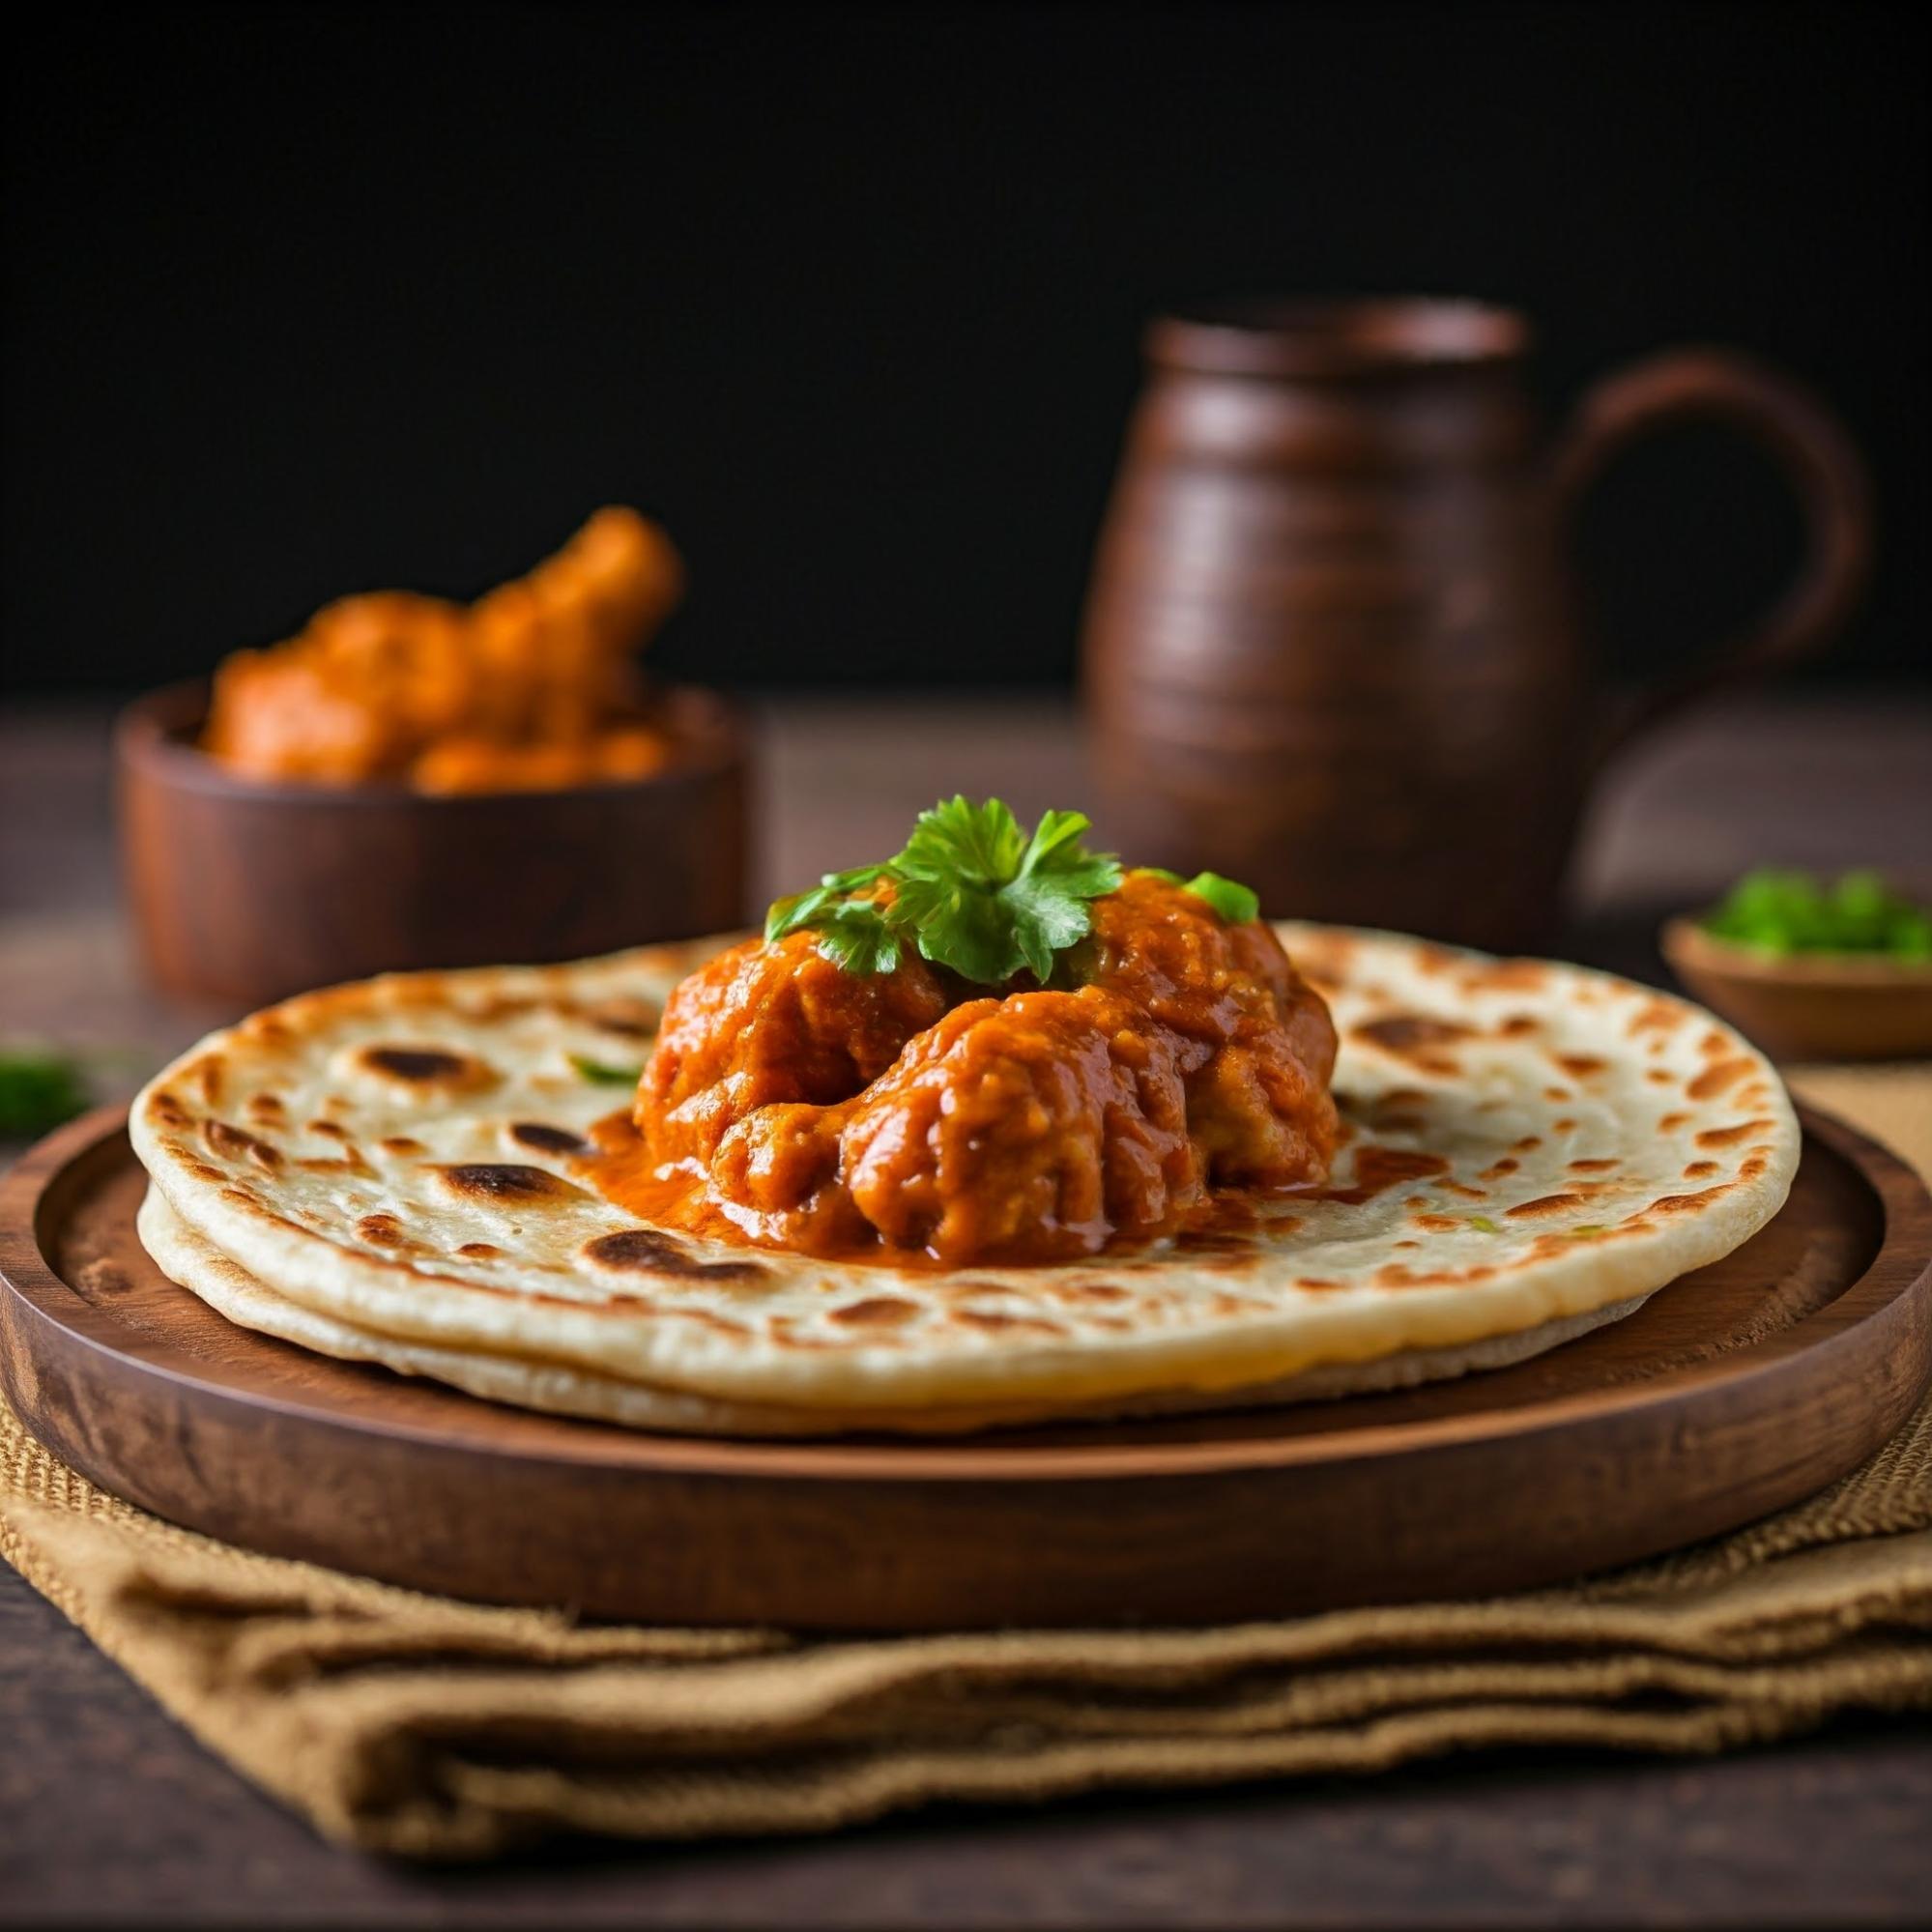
(1734, 1392)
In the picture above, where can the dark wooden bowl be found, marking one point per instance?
(1810, 1006)
(245, 890)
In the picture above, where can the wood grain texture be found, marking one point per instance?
(1330, 633)
(245, 890)
(1741, 1388)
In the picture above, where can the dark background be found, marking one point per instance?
(309, 299)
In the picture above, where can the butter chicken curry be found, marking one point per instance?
(841, 1095)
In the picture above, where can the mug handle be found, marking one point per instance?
(1805, 439)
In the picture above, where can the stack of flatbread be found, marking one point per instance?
(394, 1172)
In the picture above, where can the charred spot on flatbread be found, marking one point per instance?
(645, 1251)
(543, 1139)
(1416, 1038)
(1687, 1204)
(432, 1069)
(996, 1321)
(233, 1144)
(1582, 1066)
(1502, 975)
(876, 1312)
(1716, 1077)
(633, 1019)
(506, 1184)
(1543, 1204)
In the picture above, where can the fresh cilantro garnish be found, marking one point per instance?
(854, 934)
(809, 908)
(1236, 904)
(600, 1073)
(970, 890)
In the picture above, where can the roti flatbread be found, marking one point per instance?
(392, 1170)
(193, 1260)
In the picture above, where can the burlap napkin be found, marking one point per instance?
(432, 1728)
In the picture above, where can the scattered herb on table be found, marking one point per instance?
(38, 1089)
(1781, 911)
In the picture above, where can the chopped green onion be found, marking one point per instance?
(1236, 904)
(601, 1074)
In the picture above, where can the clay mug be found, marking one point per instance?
(1332, 647)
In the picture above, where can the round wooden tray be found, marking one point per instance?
(1737, 1390)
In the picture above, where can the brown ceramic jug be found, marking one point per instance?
(1331, 646)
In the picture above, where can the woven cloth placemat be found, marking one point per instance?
(431, 1728)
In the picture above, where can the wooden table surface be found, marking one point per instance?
(109, 1813)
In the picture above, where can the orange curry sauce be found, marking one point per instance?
(907, 1116)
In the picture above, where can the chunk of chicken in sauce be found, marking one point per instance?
(1256, 1045)
(1034, 1128)
(909, 1114)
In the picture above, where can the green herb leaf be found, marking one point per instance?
(788, 916)
(807, 909)
(1050, 914)
(964, 844)
(970, 889)
(600, 1073)
(856, 936)
(962, 926)
(1236, 904)
(38, 1091)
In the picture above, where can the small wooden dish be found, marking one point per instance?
(247, 890)
(1731, 1393)
(1807, 1006)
